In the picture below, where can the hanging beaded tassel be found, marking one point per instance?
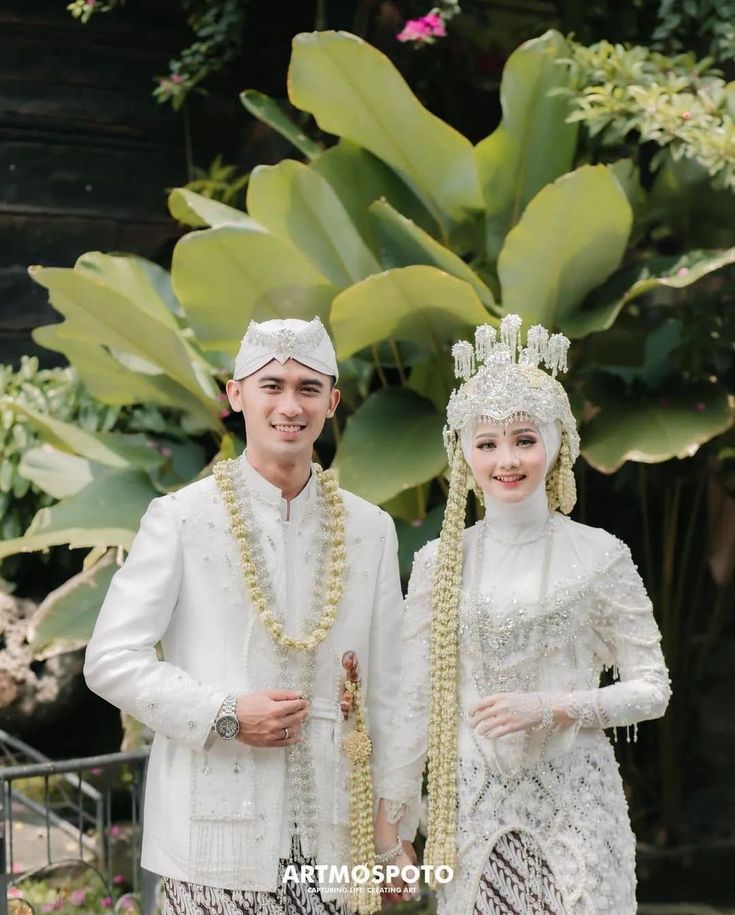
(359, 748)
(561, 487)
(464, 359)
(444, 705)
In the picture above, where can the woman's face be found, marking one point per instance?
(508, 461)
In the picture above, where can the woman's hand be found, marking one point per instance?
(396, 889)
(506, 713)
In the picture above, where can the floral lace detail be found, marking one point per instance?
(565, 793)
(574, 809)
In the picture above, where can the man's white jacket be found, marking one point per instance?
(220, 816)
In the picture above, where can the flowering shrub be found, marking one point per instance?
(82, 895)
(428, 28)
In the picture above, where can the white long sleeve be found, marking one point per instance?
(121, 663)
(622, 616)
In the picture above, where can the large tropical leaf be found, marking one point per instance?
(107, 512)
(421, 304)
(391, 443)
(109, 381)
(113, 449)
(268, 111)
(533, 144)
(355, 92)
(403, 243)
(571, 237)
(360, 178)
(632, 282)
(297, 204)
(227, 276)
(57, 473)
(65, 619)
(124, 326)
(656, 428)
(198, 211)
(141, 281)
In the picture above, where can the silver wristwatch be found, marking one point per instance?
(226, 724)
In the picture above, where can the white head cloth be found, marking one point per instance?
(289, 338)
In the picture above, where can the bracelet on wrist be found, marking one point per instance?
(390, 854)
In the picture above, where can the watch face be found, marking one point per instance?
(227, 727)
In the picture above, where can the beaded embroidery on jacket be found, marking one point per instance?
(571, 801)
(297, 668)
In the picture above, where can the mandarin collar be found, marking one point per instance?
(265, 493)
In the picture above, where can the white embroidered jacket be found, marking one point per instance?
(221, 817)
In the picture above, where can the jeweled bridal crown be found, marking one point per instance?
(503, 379)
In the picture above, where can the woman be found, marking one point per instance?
(508, 626)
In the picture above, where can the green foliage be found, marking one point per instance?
(712, 21)
(217, 28)
(676, 102)
(402, 237)
(219, 182)
(55, 438)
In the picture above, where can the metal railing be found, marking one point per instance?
(75, 808)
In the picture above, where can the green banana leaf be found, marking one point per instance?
(356, 93)
(571, 237)
(391, 443)
(420, 304)
(112, 449)
(359, 178)
(403, 243)
(656, 427)
(123, 325)
(228, 276)
(109, 381)
(297, 204)
(268, 111)
(533, 144)
(65, 619)
(630, 283)
(55, 472)
(198, 211)
(106, 512)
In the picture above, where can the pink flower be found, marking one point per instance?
(177, 78)
(47, 907)
(115, 831)
(95, 771)
(89, 3)
(118, 879)
(18, 867)
(77, 897)
(436, 24)
(427, 27)
(222, 396)
(14, 892)
(223, 414)
(414, 30)
(106, 902)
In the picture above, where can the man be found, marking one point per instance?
(254, 581)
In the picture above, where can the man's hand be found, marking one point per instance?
(272, 718)
(352, 673)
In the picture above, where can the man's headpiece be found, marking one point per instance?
(282, 339)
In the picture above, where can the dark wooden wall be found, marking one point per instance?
(85, 153)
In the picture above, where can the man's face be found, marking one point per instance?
(285, 407)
